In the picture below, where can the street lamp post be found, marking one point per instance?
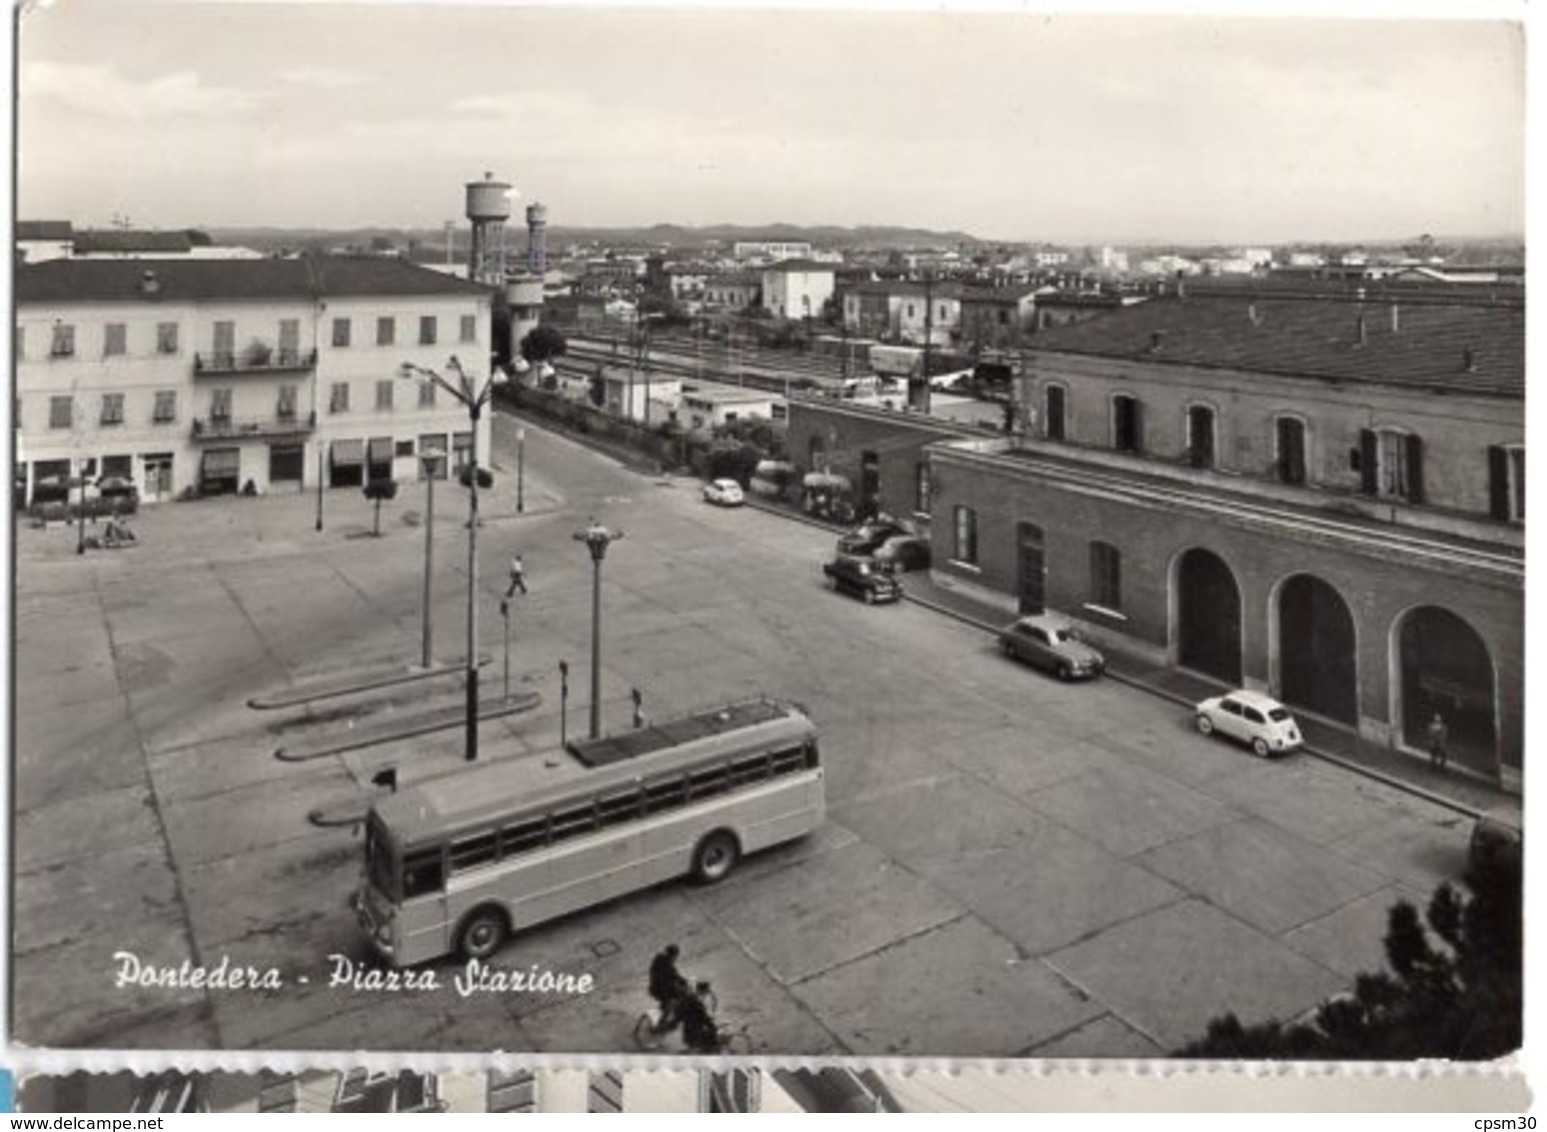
(563, 703)
(520, 471)
(431, 464)
(475, 397)
(80, 518)
(597, 538)
(319, 485)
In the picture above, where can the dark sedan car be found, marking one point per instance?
(868, 537)
(862, 578)
(901, 553)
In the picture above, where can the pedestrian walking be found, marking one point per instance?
(1438, 735)
(517, 577)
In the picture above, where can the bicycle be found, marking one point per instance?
(649, 1035)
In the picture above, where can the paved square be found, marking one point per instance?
(1169, 972)
(1129, 810)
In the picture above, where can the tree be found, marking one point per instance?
(543, 343)
(377, 491)
(1463, 1001)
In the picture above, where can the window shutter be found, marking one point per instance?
(1414, 469)
(1368, 481)
(1498, 482)
(1138, 426)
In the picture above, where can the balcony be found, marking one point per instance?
(253, 428)
(257, 358)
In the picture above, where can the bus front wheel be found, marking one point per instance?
(482, 933)
(715, 856)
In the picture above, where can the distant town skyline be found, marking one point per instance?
(1011, 126)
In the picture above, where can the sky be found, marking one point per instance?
(1007, 124)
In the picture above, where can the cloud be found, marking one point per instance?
(322, 78)
(101, 90)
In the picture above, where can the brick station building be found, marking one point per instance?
(1321, 495)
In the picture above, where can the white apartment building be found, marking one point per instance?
(202, 376)
(797, 288)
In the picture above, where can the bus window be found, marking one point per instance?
(753, 769)
(469, 852)
(789, 761)
(523, 836)
(666, 794)
(423, 872)
(615, 808)
(813, 757)
(574, 821)
(378, 860)
(708, 782)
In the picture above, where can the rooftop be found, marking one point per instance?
(789, 266)
(128, 241)
(124, 280)
(44, 230)
(1446, 345)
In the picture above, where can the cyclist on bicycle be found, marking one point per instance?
(699, 1030)
(667, 987)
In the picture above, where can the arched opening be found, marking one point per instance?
(1208, 616)
(1318, 659)
(1444, 668)
(1031, 569)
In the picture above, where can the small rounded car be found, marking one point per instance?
(868, 537)
(726, 493)
(1262, 723)
(861, 577)
(1052, 644)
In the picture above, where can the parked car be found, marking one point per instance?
(869, 535)
(901, 553)
(772, 479)
(1051, 643)
(861, 577)
(727, 493)
(1259, 721)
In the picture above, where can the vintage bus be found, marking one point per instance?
(459, 861)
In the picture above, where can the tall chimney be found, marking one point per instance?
(537, 239)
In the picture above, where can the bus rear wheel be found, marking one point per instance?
(715, 856)
(482, 933)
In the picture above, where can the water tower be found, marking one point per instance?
(488, 207)
(537, 239)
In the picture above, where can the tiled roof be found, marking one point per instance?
(997, 294)
(118, 280)
(44, 230)
(119, 240)
(1452, 346)
(908, 288)
(790, 265)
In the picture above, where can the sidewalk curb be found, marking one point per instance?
(295, 696)
(441, 720)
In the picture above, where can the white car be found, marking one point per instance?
(727, 493)
(1262, 723)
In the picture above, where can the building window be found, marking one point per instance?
(1507, 482)
(112, 408)
(166, 337)
(341, 329)
(115, 337)
(338, 397)
(921, 488)
(384, 396)
(469, 328)
(427, 330)
(1390, 464)
(285, 409)
(1106, 576)
(461, 450)
(61, 412)
(1289, 460)
(1200, 436)
(63, 344)
(1127, 424)
(220, 406)
(427, 395)
(225, 344)
(386, 331)
(166, 406)
(966, 529)
(1053, 412)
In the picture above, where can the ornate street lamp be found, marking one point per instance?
(597, 538)
(475, 395)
